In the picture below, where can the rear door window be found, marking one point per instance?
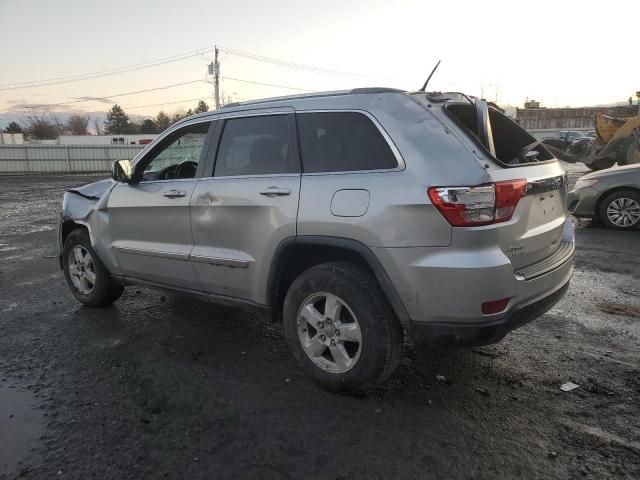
(254, 146)
(342, 141)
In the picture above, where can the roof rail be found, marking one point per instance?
(364, 90)
(304, 96)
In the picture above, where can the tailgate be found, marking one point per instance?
(535, 232)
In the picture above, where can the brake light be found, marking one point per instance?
(508, 194)
(480, 205)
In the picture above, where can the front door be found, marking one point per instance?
(149, 219)
(243, 211)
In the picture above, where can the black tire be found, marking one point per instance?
(602, 163)
(382, 335)
(593, 167)
(104, 291)
(612, 197)
(627, 153)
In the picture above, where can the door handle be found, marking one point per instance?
(175, 194)
(275, 192)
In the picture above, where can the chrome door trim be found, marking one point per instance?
(153, 253)
(225, 262)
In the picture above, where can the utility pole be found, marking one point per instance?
(216, 79)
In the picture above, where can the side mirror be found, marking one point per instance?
(121, 171)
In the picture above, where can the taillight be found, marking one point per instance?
(481, 205)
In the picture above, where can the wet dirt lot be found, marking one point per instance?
(162, 386)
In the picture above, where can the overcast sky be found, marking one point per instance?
(559, 52)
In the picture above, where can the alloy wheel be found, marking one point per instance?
(624, 212)
(82, 270)
(329, 332)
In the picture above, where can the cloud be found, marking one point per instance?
(97, 99)
(22, 101)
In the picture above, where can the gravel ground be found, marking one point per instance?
(161, 386)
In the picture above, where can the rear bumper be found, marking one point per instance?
(484, 333)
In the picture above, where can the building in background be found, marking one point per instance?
(11, 139)
(537, 118)
(139, 139)
(546, 122)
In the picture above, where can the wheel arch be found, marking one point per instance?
(67, 226)
(296, 254)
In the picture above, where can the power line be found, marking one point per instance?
(167, 103)
(163, 87)
(98, 98)
(176, 58)
(104, 73)
(299, 66)
(266, 84)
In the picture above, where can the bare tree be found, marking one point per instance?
(38, 126)
(97, 124)
(60, 125)
(77, 124)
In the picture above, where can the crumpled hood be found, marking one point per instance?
(94, 190)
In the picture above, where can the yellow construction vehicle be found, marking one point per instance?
(617, 141)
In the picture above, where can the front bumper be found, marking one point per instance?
(582, 203)
(487, 332)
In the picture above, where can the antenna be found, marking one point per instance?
(424, 87)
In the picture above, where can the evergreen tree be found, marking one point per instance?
(148, 126)
(201, 107)
(117, 121)
(162, 121)
(13, 127)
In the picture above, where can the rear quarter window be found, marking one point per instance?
(341, 142)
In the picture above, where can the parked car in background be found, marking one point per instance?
(360, 217)
(564, 138)
(611, 196)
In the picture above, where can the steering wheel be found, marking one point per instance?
(485, 135)
(186, 169)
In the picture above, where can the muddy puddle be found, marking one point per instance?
(21, 426)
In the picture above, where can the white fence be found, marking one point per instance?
(39, 159)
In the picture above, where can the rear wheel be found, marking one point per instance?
(86, 275)
(621, 210)
(340, 329)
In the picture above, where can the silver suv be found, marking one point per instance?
(364, 218)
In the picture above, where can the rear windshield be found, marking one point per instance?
(509, 138)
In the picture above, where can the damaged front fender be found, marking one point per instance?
(86, 206)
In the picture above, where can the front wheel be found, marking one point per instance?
(340, 328)
(621, 210)
(86, 275)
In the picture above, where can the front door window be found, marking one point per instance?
(178, 155)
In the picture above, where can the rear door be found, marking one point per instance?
(149, 220)
(247, 204)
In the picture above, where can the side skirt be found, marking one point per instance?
(224, 300)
